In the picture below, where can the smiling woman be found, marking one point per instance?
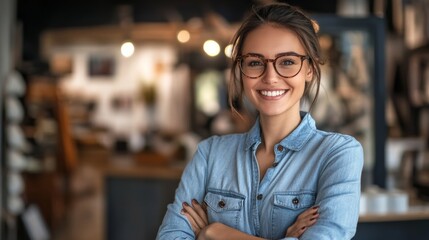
(288, 74)
(284, 178)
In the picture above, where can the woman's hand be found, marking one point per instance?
(196, 215)
(303, 222)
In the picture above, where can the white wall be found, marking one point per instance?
(172, 87)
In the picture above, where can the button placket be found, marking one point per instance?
(279, 155)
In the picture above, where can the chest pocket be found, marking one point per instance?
(224, 207)
(286, 208)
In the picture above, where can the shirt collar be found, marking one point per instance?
(294, 141)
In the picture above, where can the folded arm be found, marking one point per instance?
(192, 185)
(338, 194)
(196, 213)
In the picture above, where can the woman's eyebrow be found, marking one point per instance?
(290, 53)
(254, 54)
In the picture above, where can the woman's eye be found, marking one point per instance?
(287, 62)
(255, 63)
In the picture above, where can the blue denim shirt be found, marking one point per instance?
(311, 167)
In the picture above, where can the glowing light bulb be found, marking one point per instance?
(127, 49)
(228, 50)
(211, 47)
(183, 36)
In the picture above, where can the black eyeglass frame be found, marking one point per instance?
(273, 60)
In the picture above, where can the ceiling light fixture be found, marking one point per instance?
(126, 23)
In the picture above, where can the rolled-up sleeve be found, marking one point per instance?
(339, 188)
(191, 186)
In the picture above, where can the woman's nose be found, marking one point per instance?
(270, 75)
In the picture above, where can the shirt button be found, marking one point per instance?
(280, 148)
(221, 204)
(275, 164)
(259, 197)
(295, 201)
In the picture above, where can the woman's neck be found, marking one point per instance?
(275, 128)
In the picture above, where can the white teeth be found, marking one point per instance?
(273, 93)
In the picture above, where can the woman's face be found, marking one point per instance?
(272, 94)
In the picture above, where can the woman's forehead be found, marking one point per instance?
(268, 40)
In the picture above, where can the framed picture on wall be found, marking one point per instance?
(101, 65)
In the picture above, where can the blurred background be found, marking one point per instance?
(104, 102)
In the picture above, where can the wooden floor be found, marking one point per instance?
(84, 220)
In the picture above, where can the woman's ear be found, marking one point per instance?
(309, 74)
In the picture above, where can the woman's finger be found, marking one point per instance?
(200, 211)
(204, 206)
(308, 213)
(195, 228)
(303, 222)
(308, 218)
(312, 221)
(193, 213)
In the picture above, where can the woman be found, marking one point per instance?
(284, 178)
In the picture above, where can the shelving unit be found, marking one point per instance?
(39, 154)
(48, 187)
(7, 15)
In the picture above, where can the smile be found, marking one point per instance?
(275, 93)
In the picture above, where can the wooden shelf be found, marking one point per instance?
(413, 213)
(133, 166)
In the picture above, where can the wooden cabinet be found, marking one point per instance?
(46, 190)
(137, 196)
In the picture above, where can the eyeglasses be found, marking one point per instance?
(286, 65)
